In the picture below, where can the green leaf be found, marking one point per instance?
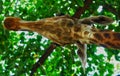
(117, 57)
(80, 3)
(49, 68)
(96, 74)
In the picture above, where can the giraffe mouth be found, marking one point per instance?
(12, 23)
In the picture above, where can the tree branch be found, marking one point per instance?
(43, 58)
(81, 10)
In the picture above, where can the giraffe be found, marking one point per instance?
(65, 30)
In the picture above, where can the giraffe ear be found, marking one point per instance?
(104, 20)
(82, 54)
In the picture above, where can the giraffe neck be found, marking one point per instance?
(108, 39)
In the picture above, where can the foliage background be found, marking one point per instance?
(20, 50)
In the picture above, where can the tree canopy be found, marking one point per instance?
(19, 50)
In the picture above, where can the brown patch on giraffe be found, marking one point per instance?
(57, 24)
(116, 36)
(53, 32)
(98, 36)
(64, 22)
(70, 23)
(86, 32)
(111, 44)
(107, 35)
(77, 29)
(116, 46)
(94, 30)
(47, 27)
(76, 36)
(66, 33)
(58, 31)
